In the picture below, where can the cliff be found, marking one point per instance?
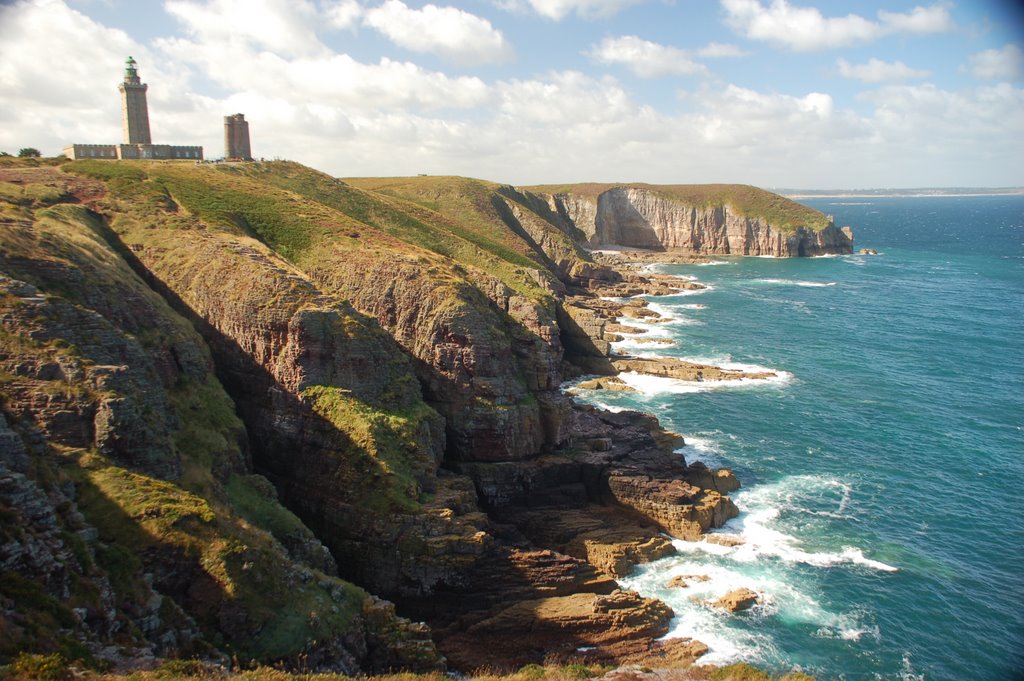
(240, 399)
(706, 219)
(130, 513)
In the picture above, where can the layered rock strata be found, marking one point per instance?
(651, 218)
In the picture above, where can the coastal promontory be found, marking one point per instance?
(252, 411)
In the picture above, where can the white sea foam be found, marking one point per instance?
(693, 306)
(663, 311)
(907, 671)
(763, 563)
(634, 344)
(726, 362)
(659, 385)
(711, 263)
(702, 448)
(779, 597)
(702, 444)
(796, 282)
(670, 316)
(763, 537)
(694, 618)
(691, 292)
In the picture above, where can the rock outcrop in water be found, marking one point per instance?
(239, 400)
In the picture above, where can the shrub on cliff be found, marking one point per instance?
(27, 667)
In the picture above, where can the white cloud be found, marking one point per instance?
(970, 124)
(59, 71)
(564, 98)
(559, 9)
(878, 71)
(448, 31)
(343, 13)
(644, 58)
(807, 29)
(335, 79)
(934, 19)
(286, 27)
(721, 50)
(1005, 63)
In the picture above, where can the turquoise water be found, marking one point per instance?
(883, 471)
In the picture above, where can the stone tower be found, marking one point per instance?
(236, 138)
(134, 111)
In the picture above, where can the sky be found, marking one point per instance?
(812, 94)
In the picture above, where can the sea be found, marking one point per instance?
(882, 469)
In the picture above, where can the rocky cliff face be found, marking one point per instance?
(643, 218)
(131, 523)
(230, 371)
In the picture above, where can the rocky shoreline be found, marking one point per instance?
(276, 433)
(642, 473)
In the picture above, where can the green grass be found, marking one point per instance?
(236, 200)
(234, 562)
(389, 438)
(30, 194)
(253, 497)
(107, 170)
(18, 162)
(208, 432)
(452, 217)
(161, 505)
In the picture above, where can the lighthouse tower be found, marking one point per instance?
(134, 111)
(138, 144)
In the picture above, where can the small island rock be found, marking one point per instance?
(737, 600)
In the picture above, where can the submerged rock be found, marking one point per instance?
(724, 540)
(683, 581)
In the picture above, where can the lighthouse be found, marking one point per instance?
(134, 112)
(138, 143)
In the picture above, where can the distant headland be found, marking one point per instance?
(895, 193)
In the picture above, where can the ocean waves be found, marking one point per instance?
(795, 282)
(881, 473)
(769, 514)
(761, 550)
